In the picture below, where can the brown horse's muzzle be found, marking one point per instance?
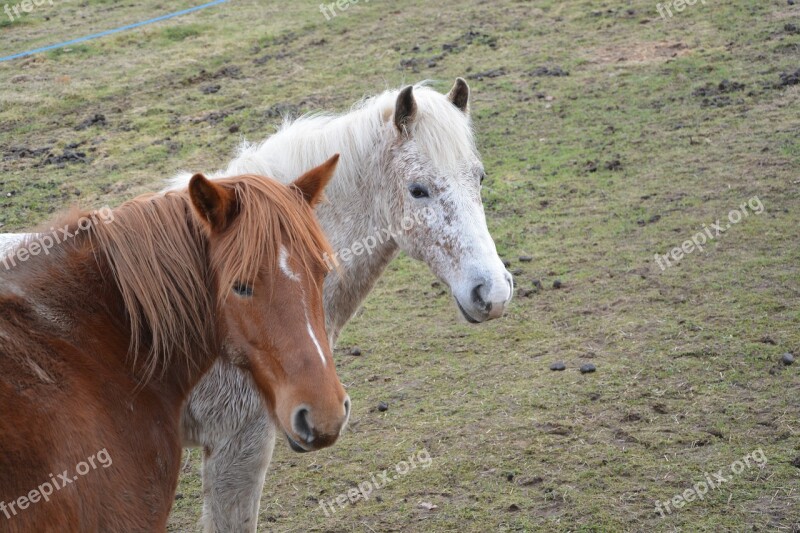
(313, 429)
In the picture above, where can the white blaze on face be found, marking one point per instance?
(316, 342)
(283, 263)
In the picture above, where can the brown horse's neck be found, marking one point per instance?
(71, 294)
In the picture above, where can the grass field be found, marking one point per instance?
(610, 134)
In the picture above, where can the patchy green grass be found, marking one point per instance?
(590, 173)
(180, 33)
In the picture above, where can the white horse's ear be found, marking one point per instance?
(459, 95)
(405, 109)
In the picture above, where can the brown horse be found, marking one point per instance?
(103, 336)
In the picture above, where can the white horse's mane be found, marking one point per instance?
(442, 132)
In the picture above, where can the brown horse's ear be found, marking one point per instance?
(459, 95)
(312, 183)
(405, 109)
(214, 204)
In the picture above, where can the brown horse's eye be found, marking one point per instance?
(243, 289)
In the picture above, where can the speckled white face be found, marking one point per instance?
(439, 217)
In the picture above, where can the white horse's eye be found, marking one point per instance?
(483, 177)
(418, 191)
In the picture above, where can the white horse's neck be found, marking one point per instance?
(355, 209)
(346, 288)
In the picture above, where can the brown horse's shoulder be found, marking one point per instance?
(25, 359)
(60, 408)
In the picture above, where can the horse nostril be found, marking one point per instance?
(347, 407)
(476, 295)
(479, 300)
(302, 426)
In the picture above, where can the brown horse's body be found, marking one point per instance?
(102, 338)
(67, 392)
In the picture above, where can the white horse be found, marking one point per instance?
(409, 179)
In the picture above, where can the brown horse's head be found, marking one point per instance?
(267, 252)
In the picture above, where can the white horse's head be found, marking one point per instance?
(434, 198)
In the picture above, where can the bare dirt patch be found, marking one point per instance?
(639, 53)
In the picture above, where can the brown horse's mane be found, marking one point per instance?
(157, 251)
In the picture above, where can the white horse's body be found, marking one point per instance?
(10, 240)
(408, 179)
